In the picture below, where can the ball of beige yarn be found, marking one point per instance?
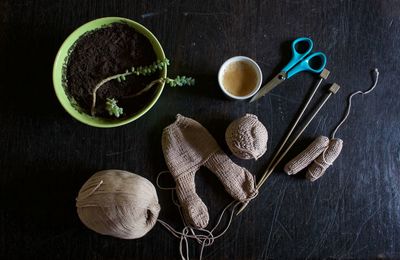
(118, 203)
(247, 137)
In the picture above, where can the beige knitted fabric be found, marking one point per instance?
(319, 166)
(187, 145)
(302, 160)
(247, 137)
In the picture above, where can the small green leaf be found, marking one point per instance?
(180, 81)
(112, 108)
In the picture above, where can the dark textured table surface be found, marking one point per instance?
(352, 212)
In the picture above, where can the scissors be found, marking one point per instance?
(300, 61)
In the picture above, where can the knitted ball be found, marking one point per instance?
(247, 137)
(118, 203)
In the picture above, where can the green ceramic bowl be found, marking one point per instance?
(62, 58)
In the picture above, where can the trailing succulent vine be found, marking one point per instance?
(111, 103)
(112, 107)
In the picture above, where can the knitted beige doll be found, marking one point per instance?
(187, 145)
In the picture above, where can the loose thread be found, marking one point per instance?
(324, 161)
(349, 101)
(93, 190)
(207, 237)
(158, 184)
(176, 203)
(324, 164)
(323, 157)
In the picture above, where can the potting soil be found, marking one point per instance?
(105, 52)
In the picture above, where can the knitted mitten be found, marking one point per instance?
(319, 166)
(302, 160)
(187, 145)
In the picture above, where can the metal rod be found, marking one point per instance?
(332, 90)
(293, 142)
(324, 75)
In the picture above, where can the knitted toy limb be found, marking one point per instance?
(238, 181)
(194, 211)
(319, 166)
(302, 160)
(187, 145)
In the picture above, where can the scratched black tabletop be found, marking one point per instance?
(353, 211)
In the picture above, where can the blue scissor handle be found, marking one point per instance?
(315, 62)
(297, 57)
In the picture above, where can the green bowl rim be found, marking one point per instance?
(141, 112)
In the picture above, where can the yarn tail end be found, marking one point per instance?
(242, 208)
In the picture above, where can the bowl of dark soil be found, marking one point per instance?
(108, 72)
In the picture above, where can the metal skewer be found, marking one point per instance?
(332, 90)
(324, 75)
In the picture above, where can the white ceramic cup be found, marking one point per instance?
(236, 59)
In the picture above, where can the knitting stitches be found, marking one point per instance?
(247, 137)
(302, 160)
(187, 145)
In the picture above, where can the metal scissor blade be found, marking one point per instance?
(268, 87)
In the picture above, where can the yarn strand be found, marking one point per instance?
(206, 239)
(176, 203)
(202, 236)
(349, 101)
(93, 191)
